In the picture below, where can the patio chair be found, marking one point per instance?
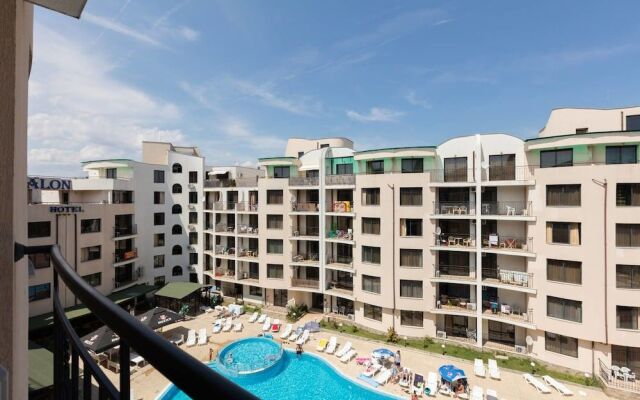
(616, 372)
(627, 374)
(451, 241)
(478, 367)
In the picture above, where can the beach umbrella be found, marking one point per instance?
(101, 339)
(383, 353)
(159, 317)
(312, 326)
(451, 373)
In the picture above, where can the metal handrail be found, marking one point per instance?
(190, 375)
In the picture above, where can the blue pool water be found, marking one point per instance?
(294, 378)
(249, 355)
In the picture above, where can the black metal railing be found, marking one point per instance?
(190, 375)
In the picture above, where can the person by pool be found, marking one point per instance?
(396, 357)
(298, 349)
(229, 359)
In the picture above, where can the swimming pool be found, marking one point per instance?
(293, 378)
(249, 355)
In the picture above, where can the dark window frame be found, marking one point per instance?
(549, 158)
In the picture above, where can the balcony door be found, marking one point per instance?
(280, 297)
(502, 167)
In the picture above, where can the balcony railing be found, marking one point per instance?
(247, 229)
(454, 303)
(304, 207)
(462, 175)
(613, 377)
(120, 281)
(220, 272)
(251, 253)
(124, 255)
(224, 205)
(219, 183)
(455, 240)
(508, 208)
(340, 234)
(247, 275)
(453, 208)
(225, 251)
(510, 312)
(309, 231)
(119, 231)
(305, 283)
(305, 257)
(250, 206)
(303, 181)
(455, 271)
(508, 277)
(75, 372)
(340, 285)
(224, 228)
(340, 206)
(343, 260)
(504, 242)
(507, 173)
(340, 180)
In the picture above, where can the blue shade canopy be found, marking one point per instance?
(312, 326)
(382, 353)
(451, 373)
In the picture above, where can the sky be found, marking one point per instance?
(238, 77)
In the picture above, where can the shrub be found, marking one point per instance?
(426, 342)
(296, 312)
(392, 335)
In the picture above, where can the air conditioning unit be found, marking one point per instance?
(521, 349)
(441, 334)
(192, 227)
(191, 248)
(192, 206)
(192, 268)
(192, 186)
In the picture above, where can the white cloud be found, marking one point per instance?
(414, 100)
(188, 33)
(300, 105)
(376, 114)
(120, 28)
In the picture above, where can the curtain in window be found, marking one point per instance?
(574, 234)
(410, 258)
(549, 232)
(627, 317)
(411, 289)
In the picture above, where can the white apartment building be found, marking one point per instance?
(127, 223)
(527, 246)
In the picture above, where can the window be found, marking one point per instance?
(176, 230)
(274, 221)
(628, 276)
(633, 122)
(274, 196)
(274, 246)
(158, 197)
(176, 168)
(275, 271)
(628, 194)
(39, 229)
(176, 271)
(622, 154)
(322, 146)
(176, 188)
(502, 167)
(159, 280)
(158, 261)
(193, 176)
(193, 197)
(627, 235)
(372, 312)
(300, 154)
(627, 317)
(371, 197)
(455, 169)
(410, 227)
(255, 291)
(93, 279)
(563, 233)
(344, 169)
(411, 196)
(90, 225)
(375, 167)
(570, 310)
(176, 250)
(158, 240)
(371, 284)
(564, 271)
(193, 258)
(90, 253)
(193, 217)
(193, 237)
(111, 173)
(411, 258)
(556, 158)
(371, 226)
(411, 318)
(40, 260)
(560, 344)
(629, 356)
(39, 292)
(412, 165)
(563, 195)
(371, 254)
(281, 172)
(158, 176)
(176, 209)
(582, 130)
(411, 289)
(158, 218)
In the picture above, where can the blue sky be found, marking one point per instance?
(236, 78)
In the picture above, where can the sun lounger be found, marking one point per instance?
(492, 394)
(445, 390)
(432, 384)
(384, 376)
(191, 338)
(331, 347)
(303, 339)
(254, 317)
(206, 309)
(296, 334)
(406, 380)
(322, 344)
(477, 393)
(418, 384)
(363, 360)
(372, 370)
(494, 371)
(262, 318)
(227, 326)
(344, 350)
(478, 367)
(218, 325)
(348, 356)
(540, 387)
(237, 327)
(287, 332)
(368, 380)
(266, 325)
(557, 385)
(202, 337)
(275, 326)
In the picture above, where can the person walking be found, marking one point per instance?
(397, 359)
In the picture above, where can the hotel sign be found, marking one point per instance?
(36, 182)
(61, 209)
(72, 8)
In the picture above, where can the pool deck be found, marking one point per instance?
(147, 383)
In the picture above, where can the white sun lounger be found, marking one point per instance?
(295, 335)
(227, 326)
(191, 338)
(287, 331)
(202, 336)
(384, 376)
(494, 371)
(405, 382)
(267, 324)
(492, 394)
(237, 327)
(478, 367)
(372, 370)
(540, 387)
(303, 339)
(254, 317)
(344, 349)
(331, 347)
(477, 393)
(432, 384)
(348, 356)
(262, 318)
(217, 325)
(557, 385)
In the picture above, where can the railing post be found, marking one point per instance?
(58, 390)
(125, 384)
(75, 372)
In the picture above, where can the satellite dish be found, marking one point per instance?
(529, 340)
(438, 231)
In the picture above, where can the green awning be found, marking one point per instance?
(40, 367)
(45, 320)
(178, 290)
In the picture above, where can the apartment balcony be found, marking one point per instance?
(303, 181)
(340, 262)
(508, 245)
(340, 208)
(340, 236)
(453, 177)
(247, 230)
(454, 273)
(511, 314)
(300, 207)
(340, 288)
(454, 241)
(465, 336)
(225, 252)
(454, 306)
(224, 228)
(247, 206)
(125, 255)
(340, 180)
(507, 210)
(501, 175)
(305, 283)
(248, 277)
(122, 232)
(453, 210)
(308, 233)
(219, 183)
(508, 279)
(248, 254)
(224, 206)
(225, 273)
(305, 259)
(125, 280)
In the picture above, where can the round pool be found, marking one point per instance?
(250, 355)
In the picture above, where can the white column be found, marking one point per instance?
(478, 200)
